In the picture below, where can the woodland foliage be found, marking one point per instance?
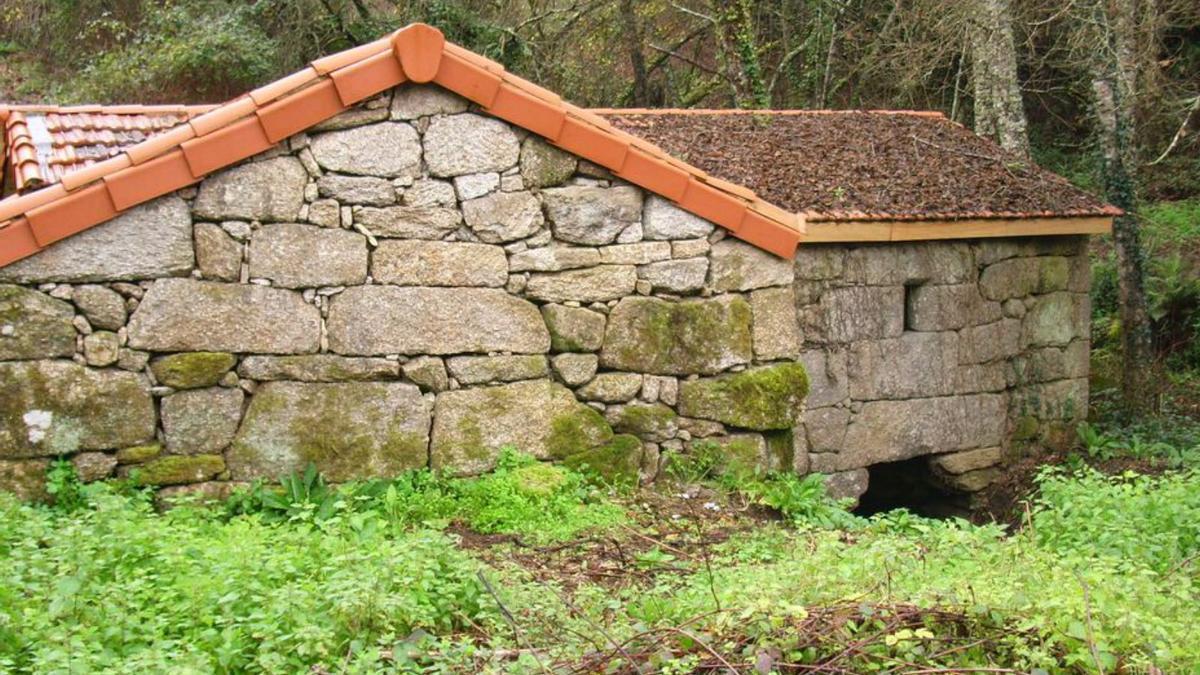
(672, 53)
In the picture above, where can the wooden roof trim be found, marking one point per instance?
(850, 216)
(760, 111)
(862, 231)
(187, 153)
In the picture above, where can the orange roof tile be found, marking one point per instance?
(45, 143)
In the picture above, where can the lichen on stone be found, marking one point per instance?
(760, 398)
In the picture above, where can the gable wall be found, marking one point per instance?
(968, 352)
(412, 284)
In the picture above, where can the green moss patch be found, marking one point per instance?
(649, 335)
(538, 480)
(1053, 274)
(349, 431)
(781, 449)
(139, 453)
(1025, 428)
(651, 421)
(617, 462)
(759, 398)
(179, 470)
(52, 408)
(191, 370)
(577, 431)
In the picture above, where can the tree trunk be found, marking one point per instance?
(633, 43)
(999, 109)
(1138, 381)
(747, 42)
(737, 52)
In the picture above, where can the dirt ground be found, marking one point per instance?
(670, 532)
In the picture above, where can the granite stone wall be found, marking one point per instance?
(415, 284)
(967, 352)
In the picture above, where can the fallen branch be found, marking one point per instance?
(1091, 637)
(512, 621)
(1183, 129)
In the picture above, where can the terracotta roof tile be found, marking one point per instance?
(46, 143)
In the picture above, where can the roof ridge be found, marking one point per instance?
(419, 53)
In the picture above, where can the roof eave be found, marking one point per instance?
(884, 229)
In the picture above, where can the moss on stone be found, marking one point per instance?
(573, 329)
(178, 470)
(543, 165)
(25, 479)
(139, 453)
(649, 335)
(1025, 428)
(577, 431)
(759, 398)
(781, 449)
(41, 325)
(1053, 274)
(85, 409)
(617, 461)
(27, 389)
(645, 419)
(564, 343)
(539, 480)
(741, 456)
(190, 370)
(328, 435)
(347, 430)
(470, 446)
(1058, 435)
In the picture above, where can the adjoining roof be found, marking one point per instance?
(45, 142)
(834, 165)
(417, 53)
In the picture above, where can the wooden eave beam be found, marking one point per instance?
(829, 232)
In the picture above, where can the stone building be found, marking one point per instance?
(403, 256)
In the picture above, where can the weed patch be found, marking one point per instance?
(540, 502)
(117, 588)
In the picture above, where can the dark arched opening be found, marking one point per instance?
(909, 484)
